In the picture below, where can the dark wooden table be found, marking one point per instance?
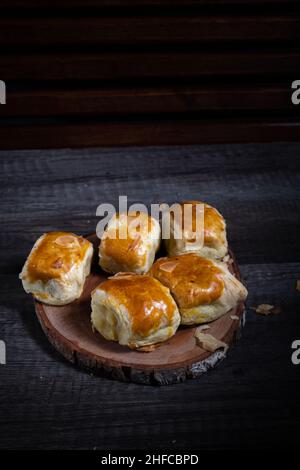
(249, 400)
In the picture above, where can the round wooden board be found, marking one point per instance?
(69, 329)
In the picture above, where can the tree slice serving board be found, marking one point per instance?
(69, 330)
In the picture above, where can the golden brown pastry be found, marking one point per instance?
(211, 244)
(56, 268)
(136, 251)
(135, 310)
(203, 289)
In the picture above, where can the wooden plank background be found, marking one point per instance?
(148, 72)
(251, 400)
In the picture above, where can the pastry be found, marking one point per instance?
(135, 310)
(56, 268)
(203, 289)
(211, 243)
(129, 243)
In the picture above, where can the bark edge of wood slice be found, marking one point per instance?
(68, 328)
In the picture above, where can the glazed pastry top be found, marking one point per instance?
(192, 279)
(146, 300)
(55, 255)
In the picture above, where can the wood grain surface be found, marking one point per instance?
(149, 72)
(46, 133)
(28, 4)
(149, 30)
(140, 101)
(252, 399)
(119, 67)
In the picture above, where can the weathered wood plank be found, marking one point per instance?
(47, 190)
(146, 132)
(150, 65)
(243, 403)
(148, 30)
(27, 4)
(45, 403)
(126, 101)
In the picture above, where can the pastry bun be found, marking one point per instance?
(135, 310)
(56, 268)
(203, 289)
(210, 244)
(129, 243)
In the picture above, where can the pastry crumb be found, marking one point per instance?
(148, 349)
(209, 342)
(234, 317)
(203, 327)
(267, 309)
(227, 259)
